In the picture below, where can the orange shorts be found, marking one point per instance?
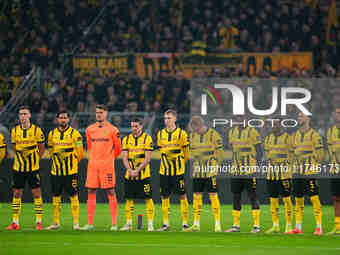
(97, 178)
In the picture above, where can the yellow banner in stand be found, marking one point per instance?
(146, 65)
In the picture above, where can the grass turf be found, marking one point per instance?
(28, 241)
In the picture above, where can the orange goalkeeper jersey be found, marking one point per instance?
(103, 144)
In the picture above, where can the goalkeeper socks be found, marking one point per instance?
(75, 209)
(150, 209)
(216, 208)
(56, 202)
(274, 208)
(129, 208)
(317, 210)
(91, 207)
(165, 210)
(38, 209)
(256, 217)
(299, 207)
(236, 215)
(16, 206)
(185, 211)
(288, 210)
(197, 208)
(337, 223)
(113, 208)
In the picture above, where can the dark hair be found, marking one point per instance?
(171, 111)
(25, 107)
(101, 106)
(64, 111)
(138, 120)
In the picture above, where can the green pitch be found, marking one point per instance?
(66, 241)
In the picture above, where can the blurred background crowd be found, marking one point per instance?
(39, 33)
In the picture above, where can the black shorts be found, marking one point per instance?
(67, 183)
(240, 184)
(172, 184)
(204, 184)
(303, 187)
(20, 179)
(138, 189)
(278, 188)
(335, 186)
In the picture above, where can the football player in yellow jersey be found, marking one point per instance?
(3, 147)
(247, 154)
(278, 148)
(65, 145)
(28, 142)
(174, 147)
(206, 149)
(308, 155)
(333, 140)
(137, 148)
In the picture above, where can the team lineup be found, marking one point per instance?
(293, 161)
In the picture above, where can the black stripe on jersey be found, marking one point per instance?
(61, 135)
(165, 168)
(35, 158)
(19, 161)
(275, 139)
(169, 136)
(66, 161)
(136, 140)
(4, 146)
(30, 161)
(71, 162)
(61, 167)
(24, 133)
(25, 163)
(145, 136)
(201, 138)
(35, 130)
(173, 164)
(179, 162)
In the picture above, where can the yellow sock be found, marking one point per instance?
(216, 208)
(256, 217)
(38, 209)
(197, 207)
(236, 215)
(129, 208)
(75, 208)
(299, 206)
(337, 223)
(150, 209)
(16, 206)
(317, 209)
(274, 209)
(56, 201)
(288, 210)
(185, 211)
(165, 210)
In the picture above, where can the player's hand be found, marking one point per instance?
(134, 173)
(130, 171)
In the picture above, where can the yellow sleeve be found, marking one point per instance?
(2, 148)
(50, 144)
(255, 136)
(318, 147)
(218, 147)
(125, 144)
(78, 142)
(234, 31)
(149, 144)
(185, 145)
(40, 135)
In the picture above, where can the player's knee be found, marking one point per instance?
(182, 197)
(111, 192)
(91, 191)
(36, 193)
(336, 199)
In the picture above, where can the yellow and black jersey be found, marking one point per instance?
(243, 141)
(66, 150)
(206, 151)
(279, 153)
(308, 152)
(174, 148)
(25, 142)
(333, 141)
(2, 148)
(136, 148)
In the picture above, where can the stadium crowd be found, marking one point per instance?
(30, 35)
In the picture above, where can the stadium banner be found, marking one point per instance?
(146, 65)
(121, 63)
(252, 63)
